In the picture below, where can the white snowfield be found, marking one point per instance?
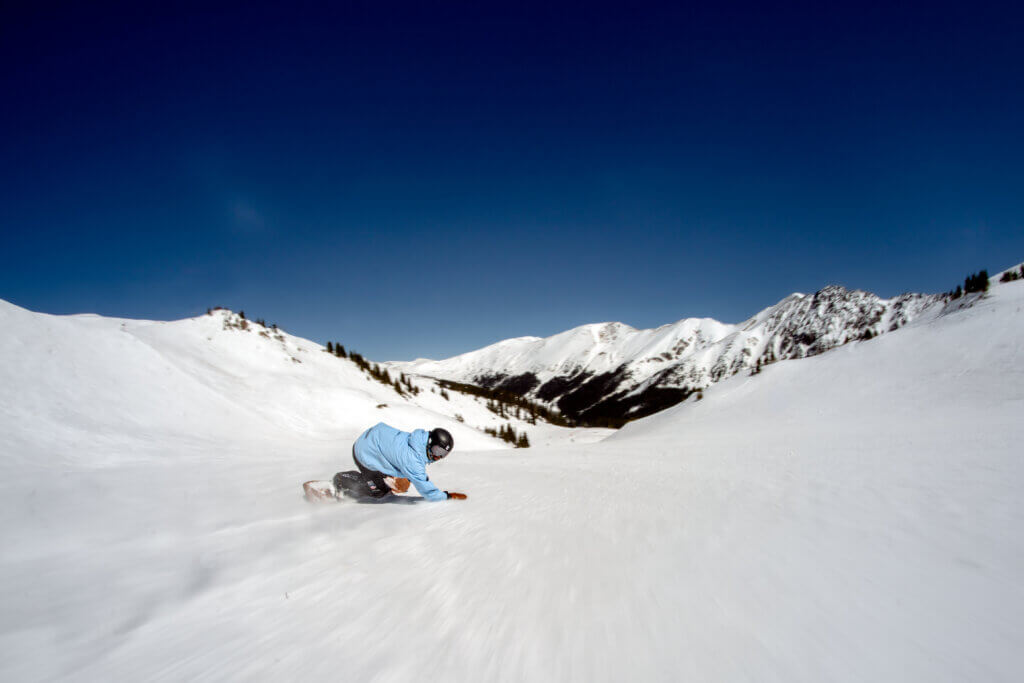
(853, 516)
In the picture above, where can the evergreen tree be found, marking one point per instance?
(977, 282)
(330, 347)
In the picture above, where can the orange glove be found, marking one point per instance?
(456, 496)
(398, 484)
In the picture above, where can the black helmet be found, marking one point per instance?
(439, 444)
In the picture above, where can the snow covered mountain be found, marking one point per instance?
(854, 516)
(610, 373)
(216, 373)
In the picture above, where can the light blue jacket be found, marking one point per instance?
(398, 454)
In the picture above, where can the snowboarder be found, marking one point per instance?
(383, 452)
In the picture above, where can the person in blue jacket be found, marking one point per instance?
(383, 451)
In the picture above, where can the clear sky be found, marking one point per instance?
(422, 179)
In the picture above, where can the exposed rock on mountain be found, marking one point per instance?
(610, 373)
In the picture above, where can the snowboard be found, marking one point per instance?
(319, 491)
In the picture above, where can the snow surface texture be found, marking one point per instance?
(852, 516)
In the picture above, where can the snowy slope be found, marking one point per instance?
(852, 516)
(214, 374)
(609, 370)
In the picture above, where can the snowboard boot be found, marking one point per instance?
(356, 485)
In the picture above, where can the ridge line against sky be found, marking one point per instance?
(419, 181)
(992, 274)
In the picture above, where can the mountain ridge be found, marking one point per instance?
(607, 374)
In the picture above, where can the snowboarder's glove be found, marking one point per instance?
(456, 496)
(398, 484)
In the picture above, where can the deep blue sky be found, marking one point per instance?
(423, 179)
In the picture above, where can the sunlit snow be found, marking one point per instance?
(852, 516)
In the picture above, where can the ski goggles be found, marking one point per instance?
(437, 452)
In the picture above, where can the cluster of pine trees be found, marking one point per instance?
(404, 384)
(1011, 275)
(976, 282)
(507, 405)
(513, 410)
(401, 384)
(508, 433)
(502, 404)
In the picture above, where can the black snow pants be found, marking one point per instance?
(365, 483)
